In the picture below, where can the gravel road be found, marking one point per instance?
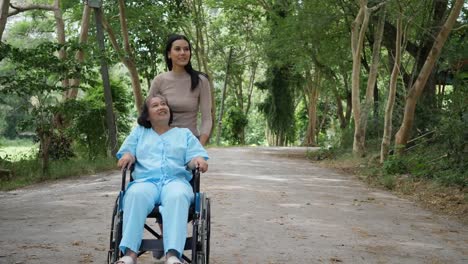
(266, 208)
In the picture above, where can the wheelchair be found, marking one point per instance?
(199, 217)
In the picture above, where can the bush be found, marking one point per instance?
(395, 165)
(322, 154)
(60, 147)
(87, 118)
(388, 181)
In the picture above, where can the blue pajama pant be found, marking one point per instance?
(174, 198)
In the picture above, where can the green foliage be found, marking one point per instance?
(60, 146)
(388, 181)
(323, 153)
(36, 71)
(235, 124)
(454, 124)
(29, 171)
(278, 106)
(86, 117)
(395, 165)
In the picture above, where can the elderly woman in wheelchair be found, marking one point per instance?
(163, 158)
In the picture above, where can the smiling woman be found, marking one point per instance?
(187, 90)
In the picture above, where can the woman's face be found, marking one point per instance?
(158, 110)
(179, 53)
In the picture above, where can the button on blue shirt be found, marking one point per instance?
(162, 158)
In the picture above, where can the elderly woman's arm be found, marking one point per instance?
(200, 163)
(126, 161)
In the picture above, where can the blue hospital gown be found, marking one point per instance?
(162, 158)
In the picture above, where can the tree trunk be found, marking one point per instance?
(221, 111)
(4, 7)
(60, 26)
(322, 122)
(387, 134)
(368, 103)
(358, 30)
(129, 58)
(128, 61)
(79, 55)
(110, 117)
(313, 93)
(203, 52)
(414, 93)
(251, 86)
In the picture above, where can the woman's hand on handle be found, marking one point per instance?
(200, 163)
(126, 161)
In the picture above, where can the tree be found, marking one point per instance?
(37, 71)
(312, 89)
(126, 56)
(403, 134)
(358, 30)
(4, 6)
(386, 138)
(360, 131)
(202, 48)
(79, 55)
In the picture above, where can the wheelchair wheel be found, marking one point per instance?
(115, 235)
(201, 233)
(208, 230)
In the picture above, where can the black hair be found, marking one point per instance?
(194, 75)
(143, 118)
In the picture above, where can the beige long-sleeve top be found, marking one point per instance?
(184, 102)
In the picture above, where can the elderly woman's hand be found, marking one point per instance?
(200, 163)
(126, 161)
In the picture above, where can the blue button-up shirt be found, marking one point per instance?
(162, 158)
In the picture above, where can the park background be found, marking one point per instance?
(379, 86)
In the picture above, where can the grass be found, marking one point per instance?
(20, 167)
(419, 176)
(15, 150)
(27, 172)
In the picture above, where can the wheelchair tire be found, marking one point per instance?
(194, 242)
(201, 233)
(208, 230)
(115, 235)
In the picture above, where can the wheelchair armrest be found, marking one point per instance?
(124, 176)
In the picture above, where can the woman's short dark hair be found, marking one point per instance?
(144, 116)
(194, 75)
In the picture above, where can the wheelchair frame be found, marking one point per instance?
(199, 216)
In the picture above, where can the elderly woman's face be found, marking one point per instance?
(158, 110)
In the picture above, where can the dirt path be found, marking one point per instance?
(266, 208)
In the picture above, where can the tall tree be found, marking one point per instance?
(126, 55)
(4, 6)
(360, 131)
(312, 88)
(202, 48)
(386, 138)
(79, 55)
(403, 134)
(223, 99)
(358, 31)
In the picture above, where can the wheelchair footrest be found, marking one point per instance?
(151, 245)
(157, 244)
